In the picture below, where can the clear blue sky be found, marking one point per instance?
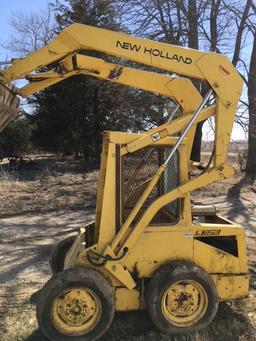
(8, 6)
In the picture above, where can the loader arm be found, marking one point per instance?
(180, 90)
(214, 68)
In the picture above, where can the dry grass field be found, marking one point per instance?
(42, 205)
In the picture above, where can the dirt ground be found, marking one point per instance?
(42, 205)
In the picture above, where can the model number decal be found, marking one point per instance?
(204, 233)
(153, 52)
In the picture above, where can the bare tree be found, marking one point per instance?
(245, 62)
(251, 159)
(30, 32)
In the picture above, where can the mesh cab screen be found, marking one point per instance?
(137, 170)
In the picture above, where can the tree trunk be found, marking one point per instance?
(194, 44)
(192, 25)
(251, 160)
(214, 25)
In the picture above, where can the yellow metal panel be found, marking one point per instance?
(121, 273)
(190, 137)
(241, 243)
(220, 74)
(174, 127)
(231, 287)
(124, 138)
(101, 184)
(185, 211)
(155, 248)
(127, 299)
(214, 260)
(223, 129)
(107, 210)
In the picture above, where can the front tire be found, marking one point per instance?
(75, 305)
(181, 298)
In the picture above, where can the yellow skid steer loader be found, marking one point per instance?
(148, 247)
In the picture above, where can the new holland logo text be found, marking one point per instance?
(153, 52)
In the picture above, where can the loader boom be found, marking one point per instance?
(211, 67)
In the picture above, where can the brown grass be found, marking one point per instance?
(47, 188)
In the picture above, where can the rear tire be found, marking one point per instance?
(181, 298)
(75, 305)
(58, 254)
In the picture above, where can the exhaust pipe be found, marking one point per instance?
(9, 105)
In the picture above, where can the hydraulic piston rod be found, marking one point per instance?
(185, 131)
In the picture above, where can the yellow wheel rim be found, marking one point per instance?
(184, 303)
(76, 311)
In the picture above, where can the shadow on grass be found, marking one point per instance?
(137, 326)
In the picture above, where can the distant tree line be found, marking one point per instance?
(69, 117)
